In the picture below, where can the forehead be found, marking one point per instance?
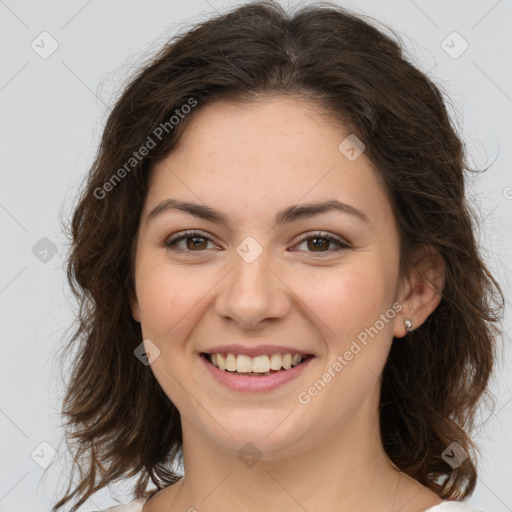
(278, 124)
(269, 152)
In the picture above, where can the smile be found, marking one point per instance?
(264, 364)
(260, 373)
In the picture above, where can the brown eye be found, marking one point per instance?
(194, 242)
(320, 243)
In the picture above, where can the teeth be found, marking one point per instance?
(221, 361)
(243, 363)
(260, 364)
(275, 362)
(231, 362)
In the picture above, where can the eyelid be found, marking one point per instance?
(342, 243)
(321, 234)
(189, 233)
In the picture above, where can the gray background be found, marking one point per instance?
(52, 111)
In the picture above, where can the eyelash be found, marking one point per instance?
(171, 242)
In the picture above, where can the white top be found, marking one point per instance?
(445, 506)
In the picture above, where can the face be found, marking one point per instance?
(268, 275)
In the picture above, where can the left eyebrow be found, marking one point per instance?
(308, 210)
(289, 214)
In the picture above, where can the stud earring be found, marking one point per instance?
(408, 325)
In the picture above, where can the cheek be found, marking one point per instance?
(350, 299)
(167, 298)
(357, 341)
(355, 307)
(170, 303)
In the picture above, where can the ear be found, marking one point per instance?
(134, 306)
(421, 291)
(134, 303)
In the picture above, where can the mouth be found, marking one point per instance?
(259, 366)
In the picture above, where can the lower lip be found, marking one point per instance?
(249, 383)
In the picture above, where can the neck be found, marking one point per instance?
(347, 472)
(336, 467)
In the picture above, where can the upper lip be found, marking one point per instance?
(254, 351)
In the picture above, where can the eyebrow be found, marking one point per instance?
(287, 215)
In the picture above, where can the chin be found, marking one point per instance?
(271, 433)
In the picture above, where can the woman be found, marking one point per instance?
(279, 279)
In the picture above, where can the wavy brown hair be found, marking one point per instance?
(119, 423)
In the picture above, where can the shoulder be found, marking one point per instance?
(453, 506)
(133, 506)
(446, 506)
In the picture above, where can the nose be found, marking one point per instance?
(253, 293)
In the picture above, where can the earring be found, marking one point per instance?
(408, 325)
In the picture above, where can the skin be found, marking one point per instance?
(250, 161)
